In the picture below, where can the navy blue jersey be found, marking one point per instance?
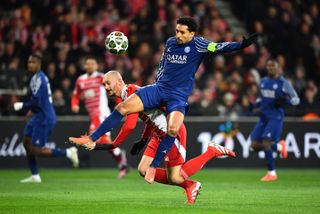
(274, 94)
(179, 62)
(41, 101)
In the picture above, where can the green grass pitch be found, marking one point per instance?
(98, 191)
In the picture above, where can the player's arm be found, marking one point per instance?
(76, 98)
(292, 97)
(257, 103)
(221, 47)
(34, 103)
(127, 128)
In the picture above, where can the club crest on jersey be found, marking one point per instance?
(177, 59)
(275, 86)
(187, 49)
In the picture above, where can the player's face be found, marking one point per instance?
(272, 68)
(33, 64)
(110, 84)
(183, 35)
(91, 66)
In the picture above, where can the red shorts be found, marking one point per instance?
(177, 154)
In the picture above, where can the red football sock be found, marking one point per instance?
(192, 166)
(161, 176)
(185, 184)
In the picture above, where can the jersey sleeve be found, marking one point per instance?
(34, 103)
(293, 98)
(130, 122)
(160, 67)
(222, 47)
(128, 126)
(147, 132)
(205, 45)
(76, 94)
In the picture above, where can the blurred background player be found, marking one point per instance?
(174, 83)
(41, 123)
(176, 171)
(89, 87)
(275, 93)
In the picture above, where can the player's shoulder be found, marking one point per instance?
(201, 43)
(282, 79)
(41, 76)
(200, 40)
(171, 40)
(82, 77)
(131, 88)
(98, 74)
(266, 78)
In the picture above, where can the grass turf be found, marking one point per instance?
(98, 191)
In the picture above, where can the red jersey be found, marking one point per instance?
(91, 90)
(155, 120)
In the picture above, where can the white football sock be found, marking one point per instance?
(36, 177)
(68, 153)
(272, 172)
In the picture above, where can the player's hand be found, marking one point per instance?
(75, 109)
(137, 147)
(17, 106)
(294, 101)
(250, 40)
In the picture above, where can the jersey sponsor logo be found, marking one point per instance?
(268, 93)
(169, 50)
(187, 49)
(177, 59)
(308, 147)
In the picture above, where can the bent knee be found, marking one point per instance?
(173, 130)
(175, 179)
(123, 109)
(142, 170)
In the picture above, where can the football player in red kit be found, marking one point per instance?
(89, 87)
(177, 171)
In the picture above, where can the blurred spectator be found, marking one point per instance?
(207, 104)
(65, 32)
(229, 109)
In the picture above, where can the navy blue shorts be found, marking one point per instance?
(154, 96)
(269, 129)
(38, 132)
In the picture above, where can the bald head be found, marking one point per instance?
(113, 83)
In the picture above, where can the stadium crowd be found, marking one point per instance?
(64, 32)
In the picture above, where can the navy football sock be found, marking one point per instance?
(59, 152)
(107, 125)
(274, 147)
(270, 160)
(33, 166)
(163, 148)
